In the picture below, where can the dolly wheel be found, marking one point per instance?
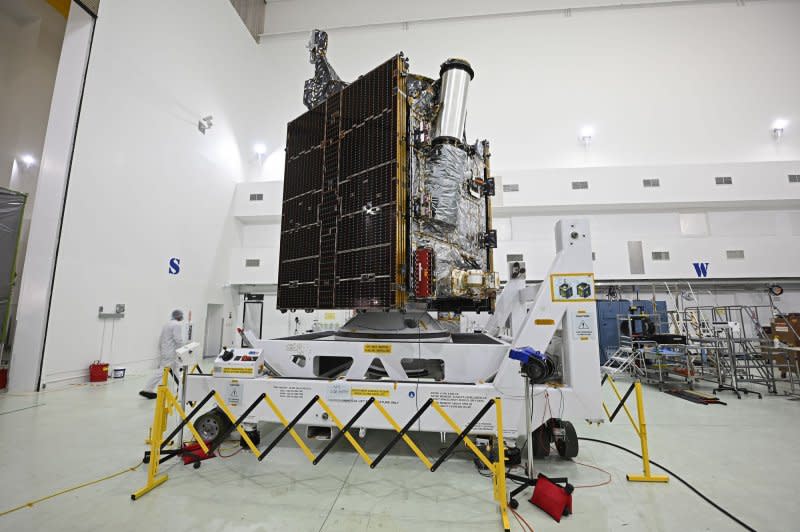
(513, 504)
(212, 424)
(567, 441)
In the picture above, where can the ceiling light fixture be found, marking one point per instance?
(587, 132)
(27, 159)
(777, 128)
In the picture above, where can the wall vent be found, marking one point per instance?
(735, 254)
(660, 255)
(252, 263)
(723, 180)
(651, 183)
(580, 185)
(256, 197)
(511, 187)
(514, 257)
(794, 178)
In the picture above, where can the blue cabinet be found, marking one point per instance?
(608, 327)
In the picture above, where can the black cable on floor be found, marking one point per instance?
(695, 490)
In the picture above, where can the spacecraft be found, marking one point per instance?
(387, 208)
(386, 205)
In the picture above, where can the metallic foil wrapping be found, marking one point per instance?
(449, 210)
(325, 81)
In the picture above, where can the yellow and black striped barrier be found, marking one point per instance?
(165, 401)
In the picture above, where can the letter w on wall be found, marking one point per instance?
(701, 268)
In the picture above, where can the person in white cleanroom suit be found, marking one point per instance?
(171, 339)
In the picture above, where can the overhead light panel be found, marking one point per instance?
(586, 134)
(777, 128)
(28, 160)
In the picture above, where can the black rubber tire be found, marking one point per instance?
(212, 424)
(540, 441)
(568, 445)
(513, 503)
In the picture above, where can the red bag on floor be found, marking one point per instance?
(552, 498)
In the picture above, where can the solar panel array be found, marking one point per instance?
(341, 246)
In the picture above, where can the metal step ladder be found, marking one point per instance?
(623, 361)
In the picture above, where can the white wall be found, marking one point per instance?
(685, 186)
(770, 241)
(146, 185)
(46, 217)
(661, 85)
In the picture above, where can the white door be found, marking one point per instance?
(215, 322)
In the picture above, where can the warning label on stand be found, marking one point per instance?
(471, 402)
(238, 371)
(233, 395)
(338, 391)
(292, 391)
(458, 400)
(583, 325)
(368, 392)
(377, 348)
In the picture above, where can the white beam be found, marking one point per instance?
(51, 188)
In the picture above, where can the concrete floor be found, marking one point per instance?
(744, 456)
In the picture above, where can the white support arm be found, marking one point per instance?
(566, 293)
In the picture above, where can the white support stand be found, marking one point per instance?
(572, 307)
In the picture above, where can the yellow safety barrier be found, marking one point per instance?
(639, 426)
(165, 400)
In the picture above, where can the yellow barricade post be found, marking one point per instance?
(164, 401)
(156, 435)
(499, 476)
(647, 476)
(639, 426)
